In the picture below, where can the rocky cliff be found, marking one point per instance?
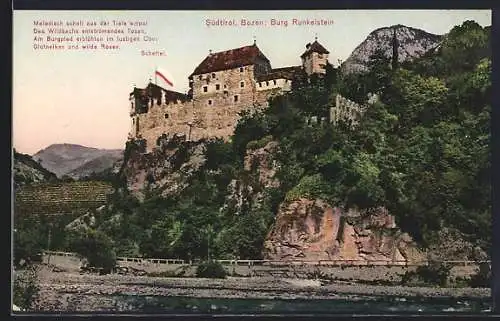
(413, 43)
(260, 169)
(305, 229)
(308, 229)
(166, 170)
(312, 230)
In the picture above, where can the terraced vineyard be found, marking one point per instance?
(60, 198)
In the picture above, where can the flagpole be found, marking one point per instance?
(156, 68)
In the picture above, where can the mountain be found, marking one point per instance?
(96, 165)
(28, 171)
(413, 43)
(75, 160)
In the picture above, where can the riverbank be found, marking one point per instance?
(70, 291)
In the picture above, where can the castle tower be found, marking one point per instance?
(315, 58)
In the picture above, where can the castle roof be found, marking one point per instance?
(314, 47)
(153, 90)
(230, 59)
(280, 73)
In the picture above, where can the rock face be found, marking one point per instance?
(413, 43)
(261, 160)
(166, 169)
(76, 160)
(312, 230)
(261, 170)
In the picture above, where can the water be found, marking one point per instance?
(387, 305)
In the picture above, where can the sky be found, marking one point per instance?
(81, 97)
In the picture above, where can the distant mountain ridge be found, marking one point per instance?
(413, 43)
(75, 160)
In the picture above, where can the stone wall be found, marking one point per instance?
(363, 273)
(346, 109)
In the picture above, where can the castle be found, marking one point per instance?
(221, 86)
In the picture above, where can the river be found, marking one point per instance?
(360, 305)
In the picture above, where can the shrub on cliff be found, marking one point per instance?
(260, 143)
(211, 269)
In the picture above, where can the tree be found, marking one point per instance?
(96, 247)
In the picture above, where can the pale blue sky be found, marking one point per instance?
(82, 97)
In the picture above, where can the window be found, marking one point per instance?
(225, 86)
(241, 69)
(213, 75)
(210, 101)
(242, 84)
(235, 98)
(274, 82)
(166, 116)
(200, 77)
(217, 87)
(205, 89)
(320, 56)
(267, 83)
(260, 84)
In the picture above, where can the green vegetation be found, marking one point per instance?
(482, 279)
(434, 274)
(26, 288)
(95, 247)
(255, 144)
(211, 269)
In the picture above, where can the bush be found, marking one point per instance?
(26, 288)
(482, 279)
(211, 269)
(256, 144)
(313, 186)
(97, 248)
(433, 274)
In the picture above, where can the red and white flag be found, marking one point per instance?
(165, 76)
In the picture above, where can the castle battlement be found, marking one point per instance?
(221, 86)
